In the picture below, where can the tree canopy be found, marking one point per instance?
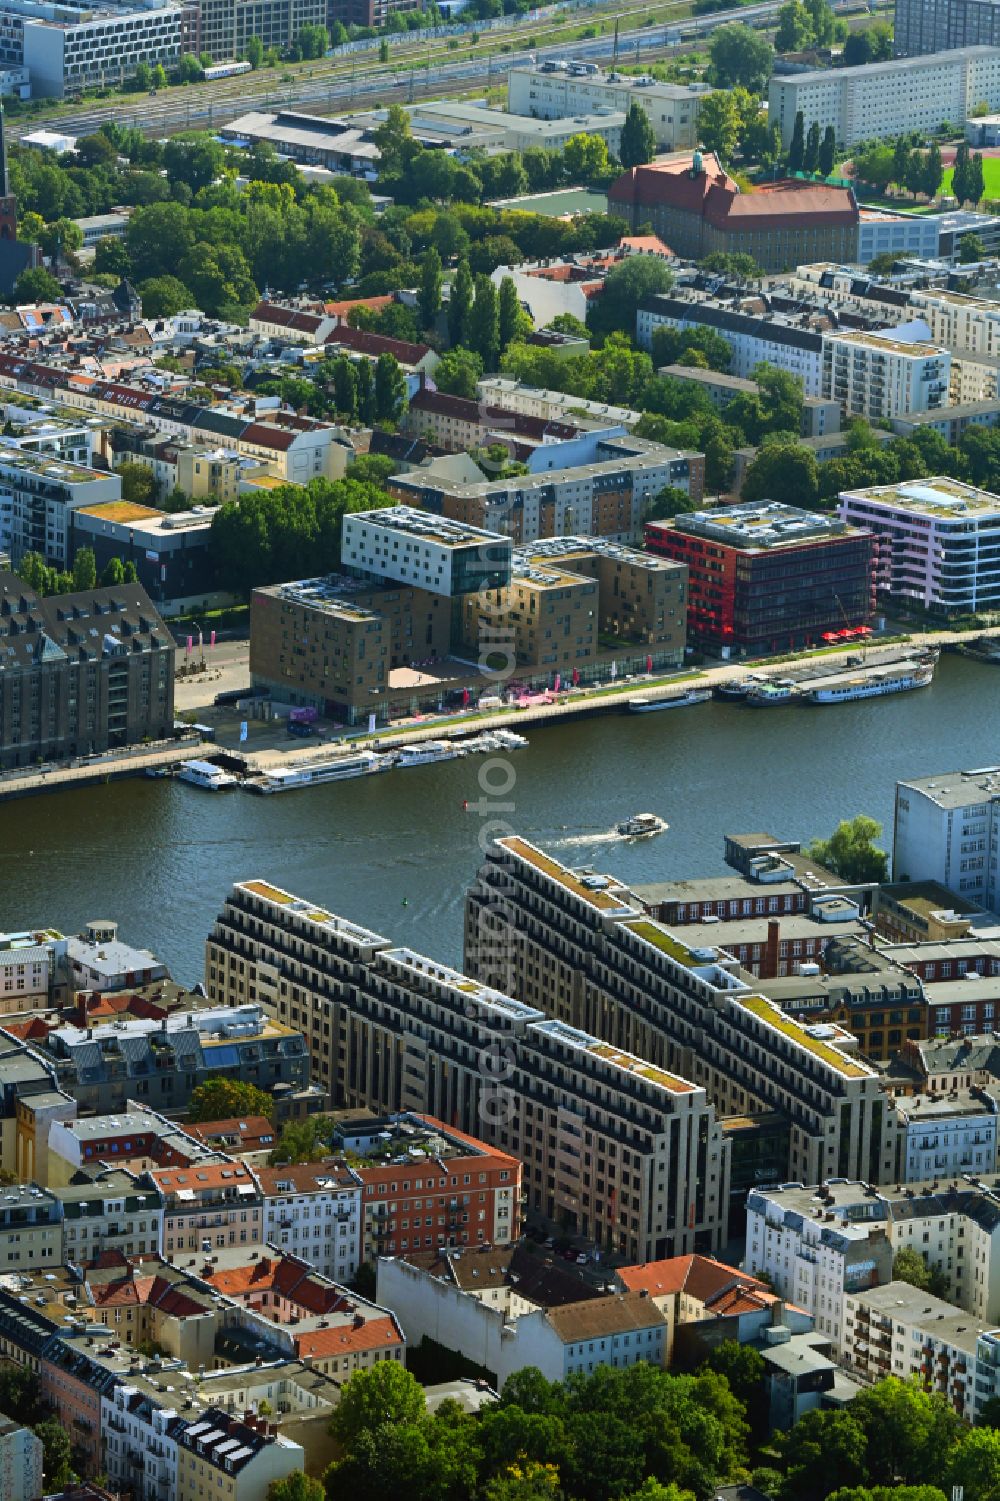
(220, 1099)
(851, 851)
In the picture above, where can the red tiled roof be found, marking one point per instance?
(267, 437)
(698, 1276)
(369, 343)
(208, 1175)
(714, 196)
(445, 404)
(286, 317)
(254, 1128)
(343, 309)
(373, 1334)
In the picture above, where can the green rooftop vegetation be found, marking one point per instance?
(601, 899)
(642, 1069)
(269, 893)
(660, 939)
(765, 1012)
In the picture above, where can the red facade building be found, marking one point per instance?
(766, 578)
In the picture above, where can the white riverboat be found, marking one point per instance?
(291, 778)
(900, 679)
(677, 701)
(204, 774)
(426, 753)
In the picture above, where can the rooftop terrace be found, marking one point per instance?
(593, 889)
(802, 1036)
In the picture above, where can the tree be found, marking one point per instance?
(823, 1451)
(129, 573)
(976, 182)
(139, 483)
(638, 138)
(189, 69)
(932, 171)
(671, 501)
(961, 184)
(84, 570)
(625, 286)
(390, 389)
(782, 470)
(740, 55)
(36, 284)
(300, 1141)
(586, 159)
(851, 851)
(874, 166)
(810, 156)
(458, 373)
(828, 151)
(113, 573)
(394, 139)
(429, 295)
(970, 249)
(143, 75)
(512, 320)
(296, 1487)
(910, 1266)
(794, 27)
(901, 161)
(974, 1464)
(162, 296)
(56, 1454)
(719, 124)
(910, 1432)
(484, 323)
(460, 304)
(375, 1399)
(20, 1388)
(159, 79)
(255, 52)
(220, 1099)
(797, 145)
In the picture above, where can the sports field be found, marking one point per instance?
(991, 176)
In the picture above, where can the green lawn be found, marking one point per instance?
(991, 176)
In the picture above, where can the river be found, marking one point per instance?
(396, 852)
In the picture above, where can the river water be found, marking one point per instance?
(396, 852)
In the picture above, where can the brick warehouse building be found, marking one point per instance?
(769, 577)
(696, 207)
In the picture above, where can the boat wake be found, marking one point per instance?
(610, 836)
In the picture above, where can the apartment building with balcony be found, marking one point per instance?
(900, 1331)
(160, 1062)
(819, 1243)
(111, 1212)
(877, 376)
(30, 1228)
(938, 543)
(419, 1177)
(81, 672)
(313, 1210)
(755, 338)
(222, 1456)
(208, 1205)
(627, 1153)
(41, 494)
(581, 947)
(67, 53)
(946, 1135)
(139, 1443)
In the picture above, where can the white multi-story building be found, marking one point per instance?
(491, 1324)
(313, 1210)
(947, 829)
(29, 965)
(900, 1331)
(887, 99)
(820, 1244)
(534, 401)
(947, 1135)
(754, 339)
(139, 1443)
(20, 1462)
(110, 1213)
(939, 543)
(879, 375)
(424, 551)
(42, 492)
(64, 56)
(555, 90)
(813, 1255)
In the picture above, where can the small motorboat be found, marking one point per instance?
(641, 826)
